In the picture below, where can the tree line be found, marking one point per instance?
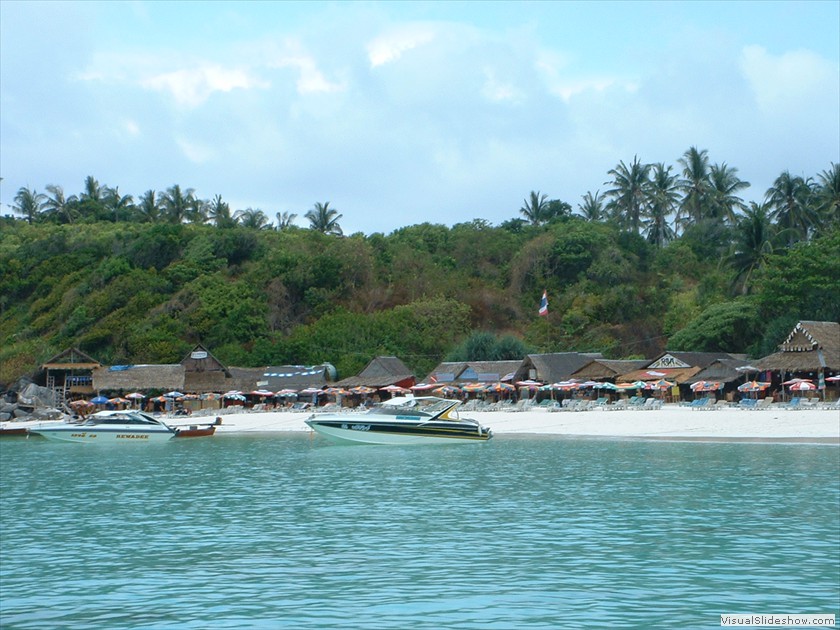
(729, 276)
(653, 199)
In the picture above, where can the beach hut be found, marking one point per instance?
(555, 366)
(70, 374)
(204, 373)
(379, 373)
(811, 351)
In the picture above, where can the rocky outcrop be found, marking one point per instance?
(30, 402)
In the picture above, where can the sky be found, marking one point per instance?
(399, 113)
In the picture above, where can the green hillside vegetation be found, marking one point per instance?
(660, 259)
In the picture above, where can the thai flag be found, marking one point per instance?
(544, 304)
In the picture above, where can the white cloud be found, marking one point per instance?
(195, 151)
(497, 90)
(310, 78)
(192, 87)
(391, 46)
(783, 83)
(131, 128)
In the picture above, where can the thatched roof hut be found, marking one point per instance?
(70, 371)
(608, 369)
(723, 371)
(553, 367)
(676, 366)
(204, 373)
(129, 378)
(810, 347)
(381, 372)
(473, 372)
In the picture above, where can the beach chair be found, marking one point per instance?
(652, 403)
(795, 403)
(765, 403)
(721, 404)
(748, 403)
(619, 404)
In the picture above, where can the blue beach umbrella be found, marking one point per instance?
(99, 400)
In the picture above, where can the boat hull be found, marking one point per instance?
(193, 431)
(99, 435)
(366, 432)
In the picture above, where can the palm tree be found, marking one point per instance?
(723, 189)
(29, 203)
(91, 200)
(218, 212)
(695, 186)
(592, 207)
(176, 203)
(828, 195)
(534, 209)
(285, 220)
(120, 206)
(197, 210)
(254, 219)
(149, 208)
(662, 201)
(629, 193)
(753, 245)
(789, 199)
(324, 219)
(59, 206)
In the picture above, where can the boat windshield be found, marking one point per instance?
(128, 417)
(422, 405)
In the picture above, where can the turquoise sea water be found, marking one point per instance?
(285, 531)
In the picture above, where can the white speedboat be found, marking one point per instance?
(109, 427)
(409, 420)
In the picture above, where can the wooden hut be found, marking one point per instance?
(811, 350)
(457, 372)
(607, 369)
(204, 373)
(131, 378)
(381, 372)
(553, 367)
(70, 373)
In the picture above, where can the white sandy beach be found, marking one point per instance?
(670, 422)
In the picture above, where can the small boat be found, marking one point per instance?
(404, 420)
(194, 430)
(7, 429)
(108, 427)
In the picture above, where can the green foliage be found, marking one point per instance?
(802, 280)
(726, 327)
(485, 346)
(130, 292)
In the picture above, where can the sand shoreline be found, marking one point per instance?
(672, 422)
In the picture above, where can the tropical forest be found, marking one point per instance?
(662, 257)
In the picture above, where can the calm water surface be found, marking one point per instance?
(273, 531)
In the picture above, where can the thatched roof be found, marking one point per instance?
(723, 370)
(134, 377)
(810, 347)
(71, 359)
(473, 371)
(204, 382)
(247, 379)
(277, 377)
(675, 375)
(554, 367)
(200, 359)
(608, 368)
(381, 372)
(204, 372)
(678, 359)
